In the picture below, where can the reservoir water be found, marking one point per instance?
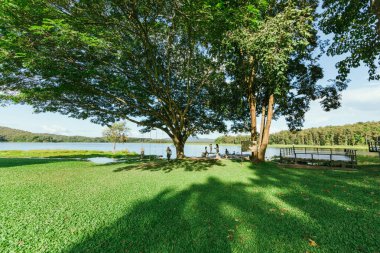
(191, 149)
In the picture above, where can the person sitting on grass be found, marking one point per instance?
(226, 153)
(168, 153)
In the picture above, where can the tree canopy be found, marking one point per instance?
(354, 134)
(143, 61)
(271, 60)
(355, 29)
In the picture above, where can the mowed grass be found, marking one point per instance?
(189, 206)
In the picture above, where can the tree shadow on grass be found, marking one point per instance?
(14, 162)
(344, 204)
(168, 166)
(276, 210)
(370, 164)
(198, 219)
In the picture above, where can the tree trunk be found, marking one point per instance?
(252, 105)
(261, 154)
(114, 147)
(252, 110)
(262, 125)
(266, 120)
(179, 144)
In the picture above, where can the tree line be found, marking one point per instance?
(15, 135)
(346, 135)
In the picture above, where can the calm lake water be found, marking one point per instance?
(192, 150)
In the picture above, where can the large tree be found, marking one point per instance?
(271, 64)
(108, 60)
(355, 29)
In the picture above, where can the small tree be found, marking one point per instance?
(115, 133)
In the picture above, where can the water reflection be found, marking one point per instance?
(102, 160)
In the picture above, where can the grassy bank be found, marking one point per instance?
(188, 206)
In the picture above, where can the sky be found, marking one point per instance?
(360, 103)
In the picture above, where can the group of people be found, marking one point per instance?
(206, 153)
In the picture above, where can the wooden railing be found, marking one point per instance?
(318, 155)
(374, 146)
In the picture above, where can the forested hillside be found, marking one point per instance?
(355, 134)
(15, 135)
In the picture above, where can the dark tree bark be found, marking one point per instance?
(180, 149)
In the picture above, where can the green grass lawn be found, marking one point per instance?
(55, 205)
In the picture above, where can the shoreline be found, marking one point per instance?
(359, 147)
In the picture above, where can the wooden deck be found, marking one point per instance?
(319, 156)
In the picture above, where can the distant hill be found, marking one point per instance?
(353, 134)
(200, 140)
(14, 135)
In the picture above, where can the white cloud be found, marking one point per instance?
(135, 133)
(359, 104)
(365, 98)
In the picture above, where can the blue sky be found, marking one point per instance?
(360, 102)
